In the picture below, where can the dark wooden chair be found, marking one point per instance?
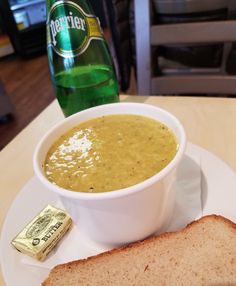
(6, 109)
(117, 17)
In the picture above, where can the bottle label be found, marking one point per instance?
(70, 30)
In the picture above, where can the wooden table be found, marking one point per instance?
(209, 122)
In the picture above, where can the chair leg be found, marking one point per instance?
(143, 47)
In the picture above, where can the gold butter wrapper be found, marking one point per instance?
(40, 236)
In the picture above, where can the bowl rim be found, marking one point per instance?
(120, 192)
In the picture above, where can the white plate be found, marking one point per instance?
(218, 196)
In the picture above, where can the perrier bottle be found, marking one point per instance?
(81, 68)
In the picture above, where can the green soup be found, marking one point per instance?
(110, 153)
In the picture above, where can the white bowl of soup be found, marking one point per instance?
(113, 167)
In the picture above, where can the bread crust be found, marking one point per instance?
(140, 244)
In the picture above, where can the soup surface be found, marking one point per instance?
(110, 153)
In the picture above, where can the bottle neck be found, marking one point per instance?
(84, 4)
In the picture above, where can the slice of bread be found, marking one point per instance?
(203, 253)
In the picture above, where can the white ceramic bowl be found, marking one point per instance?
(125, 216)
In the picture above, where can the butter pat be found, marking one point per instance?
(40, 236)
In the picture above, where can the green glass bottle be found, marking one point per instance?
(81, 67)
